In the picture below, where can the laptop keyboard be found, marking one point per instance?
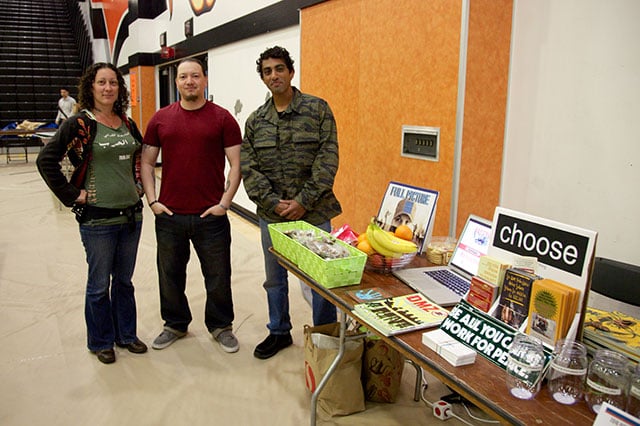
(450, 280)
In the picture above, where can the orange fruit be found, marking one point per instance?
(362, 237)
(365, 247)
(404, 232)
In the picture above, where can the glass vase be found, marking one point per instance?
(524, 366)
(607, 380)
(567, 372)
(633, 403)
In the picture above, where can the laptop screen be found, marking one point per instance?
(473, 243)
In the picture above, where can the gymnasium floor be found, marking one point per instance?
(47, 375)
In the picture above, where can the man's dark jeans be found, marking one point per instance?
(211, 238)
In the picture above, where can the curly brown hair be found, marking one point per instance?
(275, 52)
(85, 88)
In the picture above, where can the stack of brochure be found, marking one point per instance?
(449, 348)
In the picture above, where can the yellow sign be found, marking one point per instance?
(133, 83)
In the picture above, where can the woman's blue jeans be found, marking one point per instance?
(211, 238)
(277, 287)
(110, 304)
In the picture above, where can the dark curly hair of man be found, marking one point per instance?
(275, 52)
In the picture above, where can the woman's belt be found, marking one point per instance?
(86, 212)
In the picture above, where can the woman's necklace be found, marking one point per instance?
(112, 121)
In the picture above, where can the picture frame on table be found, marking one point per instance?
(409, 205)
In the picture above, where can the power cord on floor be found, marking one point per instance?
(450, 412)
(237, 328)
(477, 418)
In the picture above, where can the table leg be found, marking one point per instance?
(416, 392)
(18, 145)
(332, 367)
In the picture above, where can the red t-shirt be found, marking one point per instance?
(192, 148)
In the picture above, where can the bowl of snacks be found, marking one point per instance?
(440, 249)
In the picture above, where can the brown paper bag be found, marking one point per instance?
(382, 369)
(343, 393)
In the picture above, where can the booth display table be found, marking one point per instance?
(482, 383)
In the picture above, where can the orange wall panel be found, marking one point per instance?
(330, 69)
(485, 107)
(146, 95)
(383, 64)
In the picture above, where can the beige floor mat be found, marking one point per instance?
(47, 376)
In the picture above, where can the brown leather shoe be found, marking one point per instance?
(136, 347)
(106, 356)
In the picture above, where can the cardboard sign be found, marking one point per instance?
(564, 252)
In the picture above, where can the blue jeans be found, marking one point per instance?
(211, 238)
(110, 304)
(277, 287)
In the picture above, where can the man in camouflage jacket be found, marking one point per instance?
(289, 159)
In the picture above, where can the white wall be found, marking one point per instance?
(233, 77)
(572, 148)
(144, 34)
(231, 68)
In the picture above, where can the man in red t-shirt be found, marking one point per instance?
(195, 136)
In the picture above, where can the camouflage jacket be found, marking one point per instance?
(293, 155)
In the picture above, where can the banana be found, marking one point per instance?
(391, 243)
(371, 237)
(395, 244)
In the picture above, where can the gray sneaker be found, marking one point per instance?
(226, 339)
(167, 337)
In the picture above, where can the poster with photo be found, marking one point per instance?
(412, 206)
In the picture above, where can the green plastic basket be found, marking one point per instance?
(286, 246)
(329, 273)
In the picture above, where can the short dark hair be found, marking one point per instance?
(197, 61)
(275, 52)
(85, 92)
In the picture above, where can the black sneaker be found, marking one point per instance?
(272, 345)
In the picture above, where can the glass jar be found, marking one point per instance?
(633, 403)
(607, 380)
(524, 366)
(567, 372)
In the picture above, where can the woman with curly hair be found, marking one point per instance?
(105, 191)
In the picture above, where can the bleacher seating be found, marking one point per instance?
(38, 56)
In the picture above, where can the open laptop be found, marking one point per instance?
(446, 285)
